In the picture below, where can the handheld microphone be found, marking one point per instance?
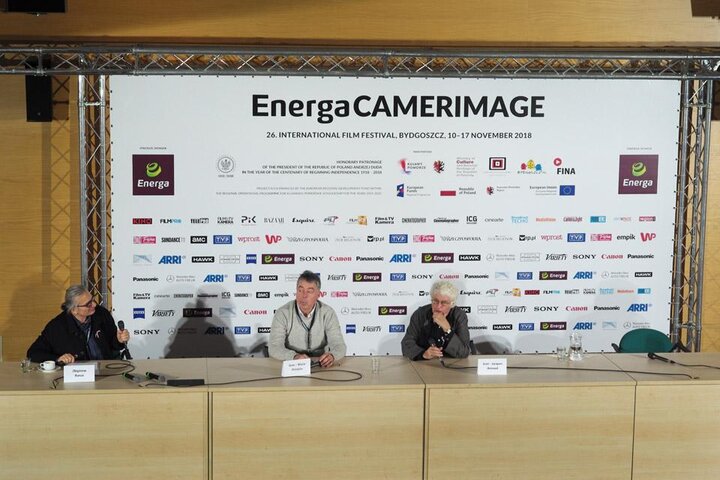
(155, 376)
(654, 356)
(133, 378)
(126, 353)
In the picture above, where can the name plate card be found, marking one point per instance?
(79, 372)
(492, 366)
(296, 368)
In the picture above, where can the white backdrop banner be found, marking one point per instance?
(549, 203)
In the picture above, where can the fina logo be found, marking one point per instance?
(398, 238)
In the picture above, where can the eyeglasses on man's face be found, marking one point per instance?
(90, 303)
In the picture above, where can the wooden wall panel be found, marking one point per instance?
(39, 238)
(375, 22)
(711, 279)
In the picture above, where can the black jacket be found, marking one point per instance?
(62, 335)
(423, 332)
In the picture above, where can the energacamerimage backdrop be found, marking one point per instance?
(549, 210)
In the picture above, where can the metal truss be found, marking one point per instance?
(213, 60)
(94, 143)
(691, 204)
(696, 71)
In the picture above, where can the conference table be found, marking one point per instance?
(677, 419)
(547, 418)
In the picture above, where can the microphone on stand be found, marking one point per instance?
(125, 355)
(654, 356)
(133, 378)
(155, 376)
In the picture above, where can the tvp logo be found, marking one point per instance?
(638, 174)
(153, 174)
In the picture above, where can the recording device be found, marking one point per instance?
(314, 364)
(125, 353)
(155, 376)
(134, 378)
(654, 356)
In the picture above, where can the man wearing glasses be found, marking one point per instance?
(82, 331)
(439, 329)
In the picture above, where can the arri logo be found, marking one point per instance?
(638, 174)
(170, 260)
(401, 258)
(153, 174)
(638, 307)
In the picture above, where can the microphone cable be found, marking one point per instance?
(116, 365)
(356, 376)
(451, 367)
(655, 356)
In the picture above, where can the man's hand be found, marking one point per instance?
(326, 360)
(123, 336)
(441, 321)
(300, 356)
(66, 358)
(432, 352)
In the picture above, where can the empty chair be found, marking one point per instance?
(645, 340)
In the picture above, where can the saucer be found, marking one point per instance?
(49, 371)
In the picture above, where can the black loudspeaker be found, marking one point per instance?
(38, 98)
(33, 6)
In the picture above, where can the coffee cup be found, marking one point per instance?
(47, 365)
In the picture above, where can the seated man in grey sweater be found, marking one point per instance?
(306, 327)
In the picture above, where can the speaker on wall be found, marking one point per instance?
(32, 6)
(38, 94)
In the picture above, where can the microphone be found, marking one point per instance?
(654, 356)
(155, 376)
(126, 353)
(133, 378)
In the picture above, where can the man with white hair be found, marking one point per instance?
(439, 329)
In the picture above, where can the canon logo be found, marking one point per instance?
(250, 311)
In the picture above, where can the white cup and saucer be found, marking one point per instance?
(48, 366)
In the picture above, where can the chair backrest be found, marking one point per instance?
(644, 340)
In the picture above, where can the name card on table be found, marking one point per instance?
(296, 368)
(79, 372)
(492, 366)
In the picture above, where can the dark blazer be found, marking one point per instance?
(62, 335)
(422, 332)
